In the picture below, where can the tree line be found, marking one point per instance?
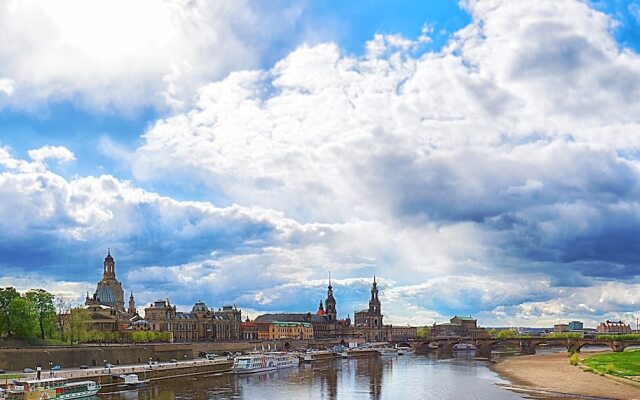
(28, 315)
(39, 315)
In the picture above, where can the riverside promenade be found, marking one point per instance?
(147, 371)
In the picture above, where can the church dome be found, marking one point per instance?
(105, 295)
(200, 307)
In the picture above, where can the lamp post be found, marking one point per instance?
(50, 362)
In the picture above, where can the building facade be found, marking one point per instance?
(324, 321)
(613, 327)
(201, 324)
(458, 327)
(106, 311)
(290, 330)
(576, 326)
(369, 323)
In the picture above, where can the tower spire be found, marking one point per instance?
(329, 279)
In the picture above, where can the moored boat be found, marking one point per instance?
(132, 381)
(318, 355)
(405, 350)
(464, 347)
(261, 362)
(387, 351)
(52, 388)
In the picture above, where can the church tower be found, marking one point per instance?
(330, 303)
(109, 291)
(375, 313)
(109, 267)
(132, 305)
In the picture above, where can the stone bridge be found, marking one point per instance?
(525, 345)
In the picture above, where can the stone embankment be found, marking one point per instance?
(18, 358)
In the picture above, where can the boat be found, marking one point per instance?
(51, 388)
(383, 348)
(464, 347)
(261, 362)
(318, 355)
(131, 381)
(405, 350)
(387, 351)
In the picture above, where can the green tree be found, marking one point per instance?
(75, 325)
(7, 295)
(423, 332)
(23, 321)
(44, 309)
(139, 336)
(506, 334)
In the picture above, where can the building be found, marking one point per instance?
(324, 321)
(252, 330)
(109, 290)
(101, 318)
(613, 327)
(106, 306)
(290, 330)
(403, 333)
(369, 322)
(560, 328)
(200, 324)
(576, 326)
(459, 327)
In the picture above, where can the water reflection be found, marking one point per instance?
(361, 378)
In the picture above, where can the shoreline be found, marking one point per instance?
(551, 376)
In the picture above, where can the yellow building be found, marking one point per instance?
(290, 330)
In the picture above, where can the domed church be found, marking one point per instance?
(109, 290)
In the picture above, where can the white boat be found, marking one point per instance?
(261, 362)
(405, 350)
(387, 351)
(132, 381)
(464, 347)
(51, 388)
(318, 355)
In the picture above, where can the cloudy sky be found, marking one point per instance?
(479, 157)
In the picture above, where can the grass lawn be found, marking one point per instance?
(623, 364)
(4, 377)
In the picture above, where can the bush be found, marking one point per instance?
(574, 359)
(609, 369)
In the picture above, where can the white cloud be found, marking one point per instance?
(491, 175)
(501, 158)
(124, 54)
(6, 86)
(60, 153)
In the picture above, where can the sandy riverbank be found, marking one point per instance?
(553, 373)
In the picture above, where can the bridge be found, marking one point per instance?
(525, 345)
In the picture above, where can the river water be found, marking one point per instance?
(401, 377)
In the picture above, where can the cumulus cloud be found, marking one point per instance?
(119, 54)
(497, 176)
(60, 153)
(522, 149)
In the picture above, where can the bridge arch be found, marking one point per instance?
(550, 343)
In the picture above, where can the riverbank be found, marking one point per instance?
(553, 373)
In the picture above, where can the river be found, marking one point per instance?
(401, 377)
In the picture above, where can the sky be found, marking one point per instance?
(479, 157)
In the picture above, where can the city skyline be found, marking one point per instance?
(474, 165)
